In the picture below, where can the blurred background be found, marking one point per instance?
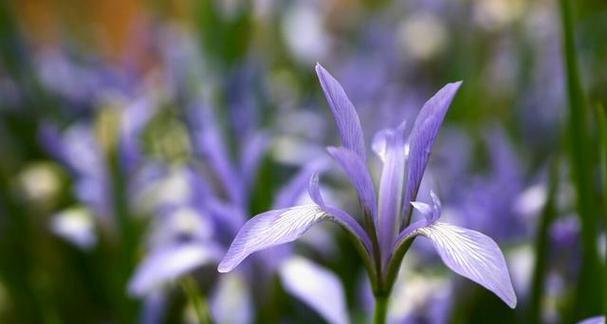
(136, 137)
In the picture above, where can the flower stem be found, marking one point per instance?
(381, 309)
(542, 247)
(589, 300)
(197, 300)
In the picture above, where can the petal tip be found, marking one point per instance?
(456, 84)
(510, 299)
(223, 267)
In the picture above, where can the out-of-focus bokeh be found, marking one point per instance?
(136, 137)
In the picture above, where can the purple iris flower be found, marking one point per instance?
(386, 231)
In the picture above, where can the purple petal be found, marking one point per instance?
(254, 150)
(422, 207)
(317, 287)
(343, 110)
(231, 302)
(339, 216)
(425, 129)
(359, 176)
(379, 144)
(474, 256)
(50, 138)
(430, 212)
(169, 263)
(134, 119)
(391, 190)
(154, 308)
(291, 192)
(268, 229)
(210, 143)
(593, 320)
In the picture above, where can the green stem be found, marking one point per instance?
(381, 309)
(542, 248)
(588, 300)
(195, 297)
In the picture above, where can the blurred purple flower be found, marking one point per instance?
(78, 149)
(387, 219)
(212, 205)
(495, 194)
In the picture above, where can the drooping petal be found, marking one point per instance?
(268, 229)
(343, 110)
(423, 134)
(231, 301)
(168, 264)
(359, 176)
(317, 287)
(339, 216)
(593, 320)
(474, 256)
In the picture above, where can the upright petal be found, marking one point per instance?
(208, 139)
(317, 287)
(474, 256)
(425, 129)
(252, 153)
(359, 175)
(391, 190)
(134, 119)
(269, 229)
(343, 110)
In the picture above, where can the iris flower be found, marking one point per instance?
(386, 231)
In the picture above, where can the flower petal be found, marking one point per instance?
(339, 216)
(317, 287)
(343, 110)
(268, 229)
(425, 129)
(170, 263)
(210, 144)
(359, 176)
(593, 320)
(379, 144)
(231, 301)
(291, 192)
(422, 207)
(474, 256)
(252, 154)
(391, 190)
